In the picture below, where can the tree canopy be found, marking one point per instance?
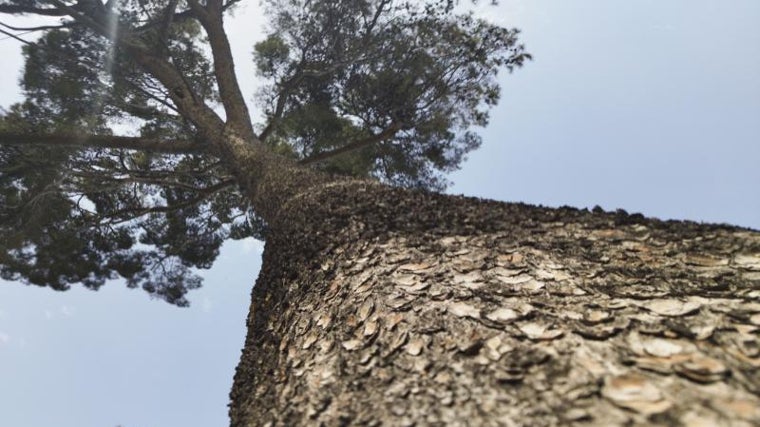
(384, 89)
(380, 88)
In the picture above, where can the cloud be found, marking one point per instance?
(4, 338)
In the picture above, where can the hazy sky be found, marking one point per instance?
(649, 106)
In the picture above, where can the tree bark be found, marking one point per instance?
(380, 306)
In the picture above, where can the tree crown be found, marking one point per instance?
(367, 88)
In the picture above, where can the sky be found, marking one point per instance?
(648, 106)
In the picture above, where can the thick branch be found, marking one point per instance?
(355, 145)
(183, 96)
(102, 141)
(177, 17)
(211, 18)
(36, 28)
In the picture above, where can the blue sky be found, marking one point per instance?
(649, 106)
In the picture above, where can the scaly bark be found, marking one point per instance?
(269, 180)
(379, 306)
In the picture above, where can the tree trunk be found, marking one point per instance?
(380, 306)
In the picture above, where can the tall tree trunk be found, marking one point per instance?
(380, 306)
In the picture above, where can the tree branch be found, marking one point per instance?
(37, 28)
(282, 97)
(183, 96)
(169, 14)
(176, 17)
(102, 141)
(165, 181)
(355, 145)
(138, 212)
(211, 18)
(13, 36)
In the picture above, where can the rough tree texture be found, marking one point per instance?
(378, 306)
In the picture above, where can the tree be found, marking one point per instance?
(375, 304)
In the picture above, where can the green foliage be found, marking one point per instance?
(88, 215)
(271, 55)
(72, 216)
(345, 71)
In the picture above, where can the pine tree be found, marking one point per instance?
(379, 301)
